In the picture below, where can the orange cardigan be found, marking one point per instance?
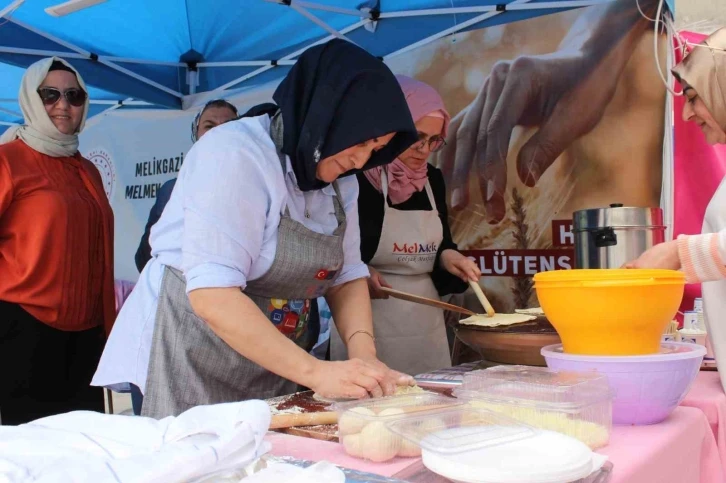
(56, 239)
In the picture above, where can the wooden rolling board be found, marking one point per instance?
(303, 402)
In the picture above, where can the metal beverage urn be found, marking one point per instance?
(610, 237)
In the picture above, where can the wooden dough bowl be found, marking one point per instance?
(515, 344)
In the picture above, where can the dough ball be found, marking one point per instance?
(351, 423)
(379, 444)
(424, 428)
(353, 446)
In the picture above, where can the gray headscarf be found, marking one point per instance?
(39, 132)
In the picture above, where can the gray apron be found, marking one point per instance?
(410, 338)
(191, 366)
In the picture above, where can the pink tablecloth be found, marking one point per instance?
(317, 450)
(707, 395)
(680, 450)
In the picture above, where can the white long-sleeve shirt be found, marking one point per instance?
(220, 229)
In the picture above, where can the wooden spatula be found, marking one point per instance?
(482, 298)
(425, 301)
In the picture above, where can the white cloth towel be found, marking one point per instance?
(84, 446)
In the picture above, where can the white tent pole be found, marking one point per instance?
(326, 8)
(41, 53)
(126, 60)
(12, 113)
(118, 105)
(109, 102)
(126, 102)
(4, 123)
(344, 31)
(449, 31)
(71, 55)
(317, 21)
(244, 63)
(493, 8)
(107, 63)
(192, 80)
(11, 7)
(245, 77)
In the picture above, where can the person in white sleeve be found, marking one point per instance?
(703, 257)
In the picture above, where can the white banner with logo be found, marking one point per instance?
(136, 152)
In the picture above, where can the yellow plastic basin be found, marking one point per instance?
(610, 311)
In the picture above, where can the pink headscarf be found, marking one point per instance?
(423, 100)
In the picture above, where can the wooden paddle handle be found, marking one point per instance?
(482, 298)
(280, 421)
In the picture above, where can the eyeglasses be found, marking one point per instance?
(435, 143)
(51, 95)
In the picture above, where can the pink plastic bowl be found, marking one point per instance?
(647, 388)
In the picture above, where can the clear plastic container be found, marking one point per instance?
(571, 403)
(466, 444)
(363, 425)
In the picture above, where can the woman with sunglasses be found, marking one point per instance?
(406, 242)
(56, 254)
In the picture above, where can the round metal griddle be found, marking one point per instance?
(512, 344)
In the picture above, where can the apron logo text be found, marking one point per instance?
(414, 248)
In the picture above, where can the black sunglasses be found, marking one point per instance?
(51, 95)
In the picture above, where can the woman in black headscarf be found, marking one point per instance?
(263, 219)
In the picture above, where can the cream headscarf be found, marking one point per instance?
(39, 132)
(704, 69)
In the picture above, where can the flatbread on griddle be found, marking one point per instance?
(483, 320)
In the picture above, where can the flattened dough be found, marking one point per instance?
(483, 320)
(400, 390)
(531, 311)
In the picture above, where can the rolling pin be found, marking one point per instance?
(280, 421)
(482, 298)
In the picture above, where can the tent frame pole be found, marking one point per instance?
(325, 8)
(451, 30)
(318, 21)
(101, 60)
(290, 56)
(493, 8)
(489, 11)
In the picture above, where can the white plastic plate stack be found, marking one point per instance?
(545, 457)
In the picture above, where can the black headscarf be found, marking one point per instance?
(336, 96)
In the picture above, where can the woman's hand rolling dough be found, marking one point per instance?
(392, 379)
(355, 379)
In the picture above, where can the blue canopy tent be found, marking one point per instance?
(141, 53)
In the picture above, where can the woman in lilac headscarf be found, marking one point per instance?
(406, 242)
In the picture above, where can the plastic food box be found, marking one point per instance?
(571, 403)
(363, 425)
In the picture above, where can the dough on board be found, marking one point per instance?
(400, 390)
(483, 320)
